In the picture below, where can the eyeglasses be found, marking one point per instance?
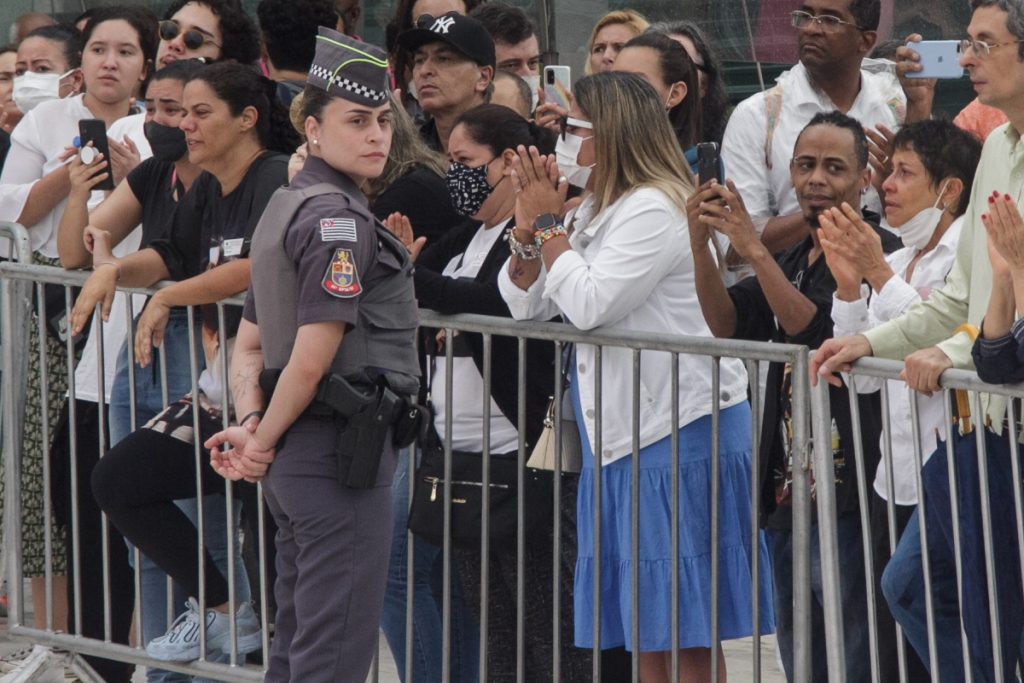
(193, 39)
(827, 22)
(982, 49)
(567, 122)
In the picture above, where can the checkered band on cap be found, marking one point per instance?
(350, 69)
(328, 82)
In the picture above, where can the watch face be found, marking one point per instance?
(545, 220)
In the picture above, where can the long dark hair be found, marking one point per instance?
(715, 101)
(241, 86)
(675, 66)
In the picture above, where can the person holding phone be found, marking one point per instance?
(626, 265)
(116, 54)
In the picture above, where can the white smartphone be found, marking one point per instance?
(940, 59)
(557, 85)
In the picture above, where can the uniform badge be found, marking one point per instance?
(336, 229)
(342, 279)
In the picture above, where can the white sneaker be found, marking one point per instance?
(181, 642)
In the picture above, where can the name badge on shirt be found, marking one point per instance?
(233, 247)
(214, 255)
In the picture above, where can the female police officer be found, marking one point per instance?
(332, 307)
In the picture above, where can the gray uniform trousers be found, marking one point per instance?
(333, 545)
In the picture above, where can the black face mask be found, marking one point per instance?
(168, 143)
(468, 188)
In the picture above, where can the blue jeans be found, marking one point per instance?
(427, 598)
(148, 403)
(903, 587)
(853, 600)
(908, 593)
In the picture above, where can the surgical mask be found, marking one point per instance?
(167, 142)
(468, 188)
(533, 81)
(32, 89)
(918, 231)
(567, 150)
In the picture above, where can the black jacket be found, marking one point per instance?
(481, 296)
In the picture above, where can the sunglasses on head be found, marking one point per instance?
(193, 39)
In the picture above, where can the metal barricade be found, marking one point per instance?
(636, 346)
(972, 570)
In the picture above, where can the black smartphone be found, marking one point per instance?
(95, 131)
(709, 163)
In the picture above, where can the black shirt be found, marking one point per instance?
(210, 228)
(756, 321)
(428, 131)
(157, 189)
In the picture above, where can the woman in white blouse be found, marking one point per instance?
(925, 199)
(621, 261)
(116, 51)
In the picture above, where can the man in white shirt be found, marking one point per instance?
(834, 38)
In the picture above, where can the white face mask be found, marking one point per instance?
(918, 231)
(567, 150)
(533, 81)
(32, 89)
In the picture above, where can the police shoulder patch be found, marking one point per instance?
(342, 279)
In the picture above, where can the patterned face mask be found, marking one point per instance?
(468, 187)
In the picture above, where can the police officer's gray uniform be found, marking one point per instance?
(318, 255)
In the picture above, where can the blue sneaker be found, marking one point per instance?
(181, 642)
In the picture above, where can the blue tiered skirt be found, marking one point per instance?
(655, 572)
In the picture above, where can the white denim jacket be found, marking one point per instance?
(631, 269)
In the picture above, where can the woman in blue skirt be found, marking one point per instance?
(621, 261)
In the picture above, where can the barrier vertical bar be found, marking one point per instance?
(521, 528)
(133, 423)
(890, 514)
(754, 377)
(556, 537)
(598, 377)
(801, 519)
(634, 523)
(12, 461)
(229, 491)
(954, 506)
(929, 607)
(446, 555)
(197, 457)
(675, 516)
(485, 507)
(44, 422)
(102, 449)
(716, 488)
(864, 508)
(986, 531)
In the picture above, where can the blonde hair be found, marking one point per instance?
(627, 17)
(407, 151)
(634, 144)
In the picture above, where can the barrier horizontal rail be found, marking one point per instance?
(713, 349)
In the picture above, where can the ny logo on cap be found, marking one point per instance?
(442, 25)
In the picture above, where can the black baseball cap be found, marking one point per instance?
(465, 34)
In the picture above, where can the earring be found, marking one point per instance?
(316, 142)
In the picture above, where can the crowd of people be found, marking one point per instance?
(338, 186)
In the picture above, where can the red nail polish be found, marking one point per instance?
(1006, 197)
(992, 200)
(984, 216)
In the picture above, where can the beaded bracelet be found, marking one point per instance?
(524, 252)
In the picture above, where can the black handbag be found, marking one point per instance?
(426, 514)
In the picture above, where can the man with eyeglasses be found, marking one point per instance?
(834, 37)
(932, 338)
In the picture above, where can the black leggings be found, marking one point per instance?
(136, 484)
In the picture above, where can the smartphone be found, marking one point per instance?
(709, 164)
(95, 131)
(940, 59)
(557, 85)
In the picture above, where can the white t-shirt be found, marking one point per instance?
(467, 384)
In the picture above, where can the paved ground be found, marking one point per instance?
(738, 655)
